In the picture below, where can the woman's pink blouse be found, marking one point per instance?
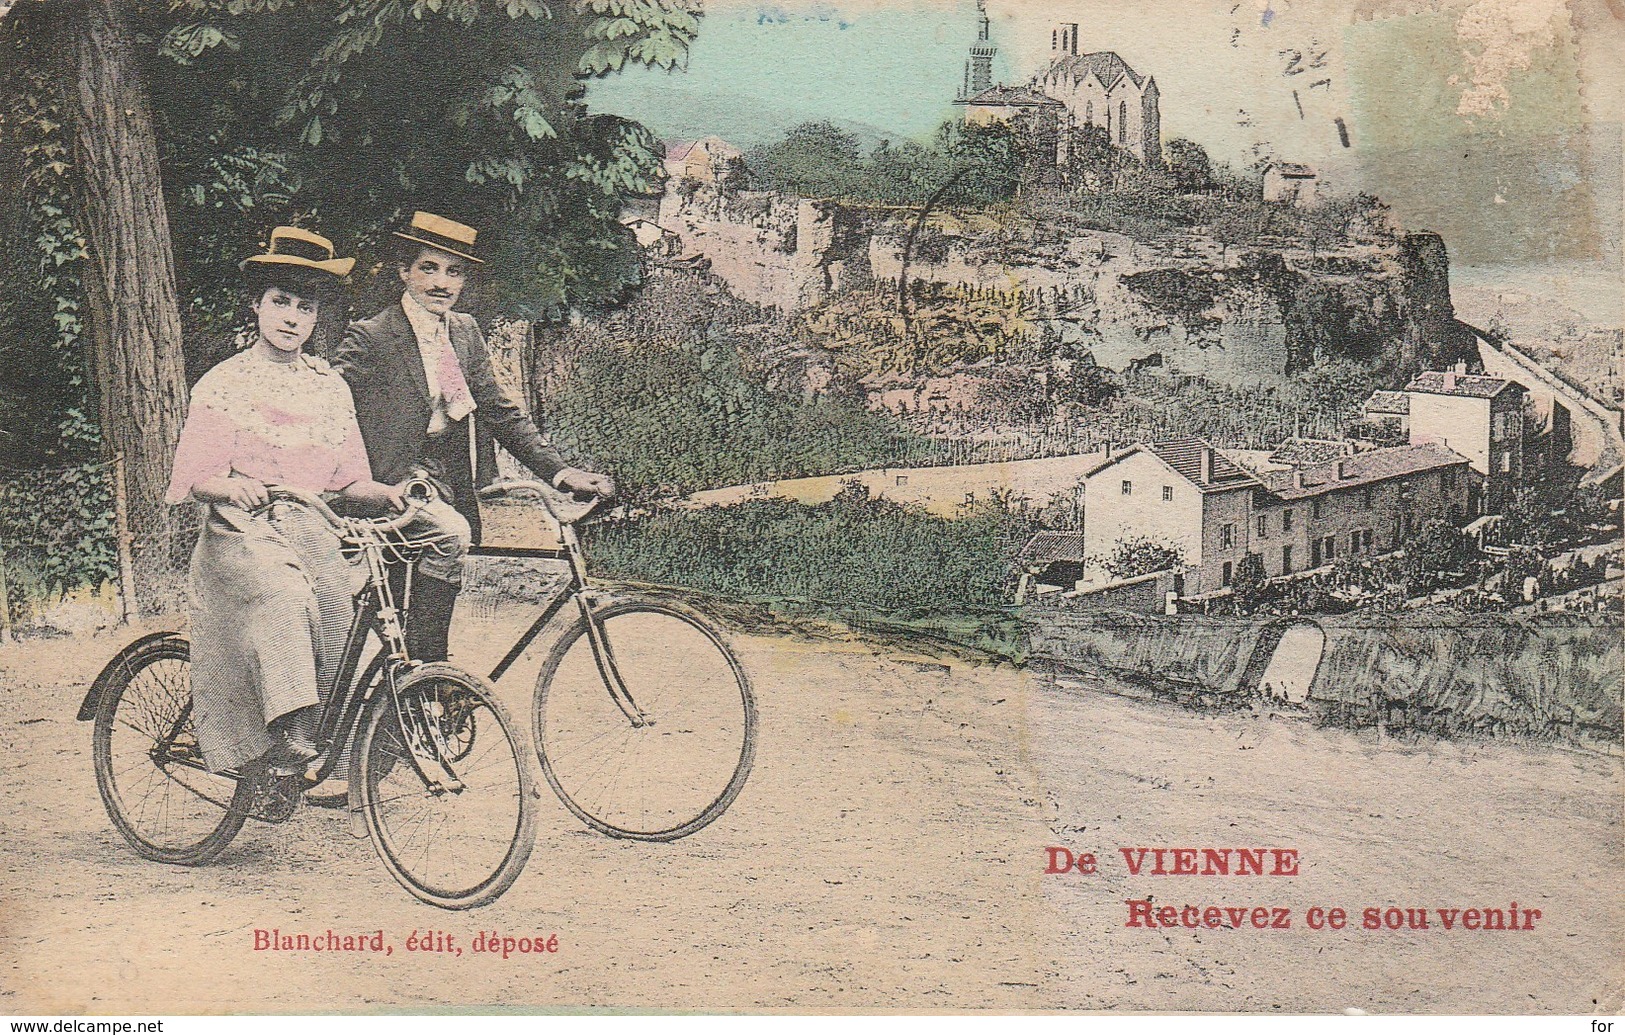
(281, 423)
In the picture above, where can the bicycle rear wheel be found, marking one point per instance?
(672, 776)
(445, 788)
(149, 770)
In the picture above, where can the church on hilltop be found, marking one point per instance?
(1076, 90)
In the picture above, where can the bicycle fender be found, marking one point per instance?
(87, 709)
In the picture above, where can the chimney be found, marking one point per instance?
(1450, 380)
(1460, 366)
(1207, 464)
(1297, 477)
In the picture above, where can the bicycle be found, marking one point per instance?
(644, 719)
(435, 771)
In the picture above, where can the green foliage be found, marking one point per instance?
(684, 387)
(348, 117)
(55, 505)
(1189, 165)
(815, 159)
(1141, 555)
(1084, 384)
(1432, 552)
(855, 551)
(56, 525)
(1247, 586)
(675, 418)
(970, 166)
(1093, 161)
(43, 390)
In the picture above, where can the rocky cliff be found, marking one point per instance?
(1181, 300)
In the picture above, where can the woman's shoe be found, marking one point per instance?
(296, 745)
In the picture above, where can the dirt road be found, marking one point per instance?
(888, 853)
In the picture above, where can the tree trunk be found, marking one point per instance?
(133, 319)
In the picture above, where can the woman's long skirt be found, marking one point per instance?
(271, 602)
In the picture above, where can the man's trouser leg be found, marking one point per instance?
(437, 581)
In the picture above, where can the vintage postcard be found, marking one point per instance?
(823, 507)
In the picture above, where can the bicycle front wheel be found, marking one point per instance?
(445, 788)
(676, 767)
(158, 791)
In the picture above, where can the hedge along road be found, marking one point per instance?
(888, 853)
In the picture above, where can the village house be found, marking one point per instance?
(1214, 511)
(1292, 183)
(702, 161)
(1390, 412)
(1479, 417)
(653, 237)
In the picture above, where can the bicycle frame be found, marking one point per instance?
(577, 589)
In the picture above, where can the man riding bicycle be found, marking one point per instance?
(427, 400)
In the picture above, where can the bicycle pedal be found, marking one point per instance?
(275, 798)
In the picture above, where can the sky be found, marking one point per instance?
(1495, 122)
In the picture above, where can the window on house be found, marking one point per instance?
(1286, 560)
(1365, 497)
(1317, 509)
(1226, 575)
(1354, 542)
(1328, 549)
(902, 479)
(1367, 540)
(1263, 526)
(1089, 113)
(1286, 521)
(1506, 463)
(1167, 494)
(1128, 487)
(1122, 122)
(1227, 536)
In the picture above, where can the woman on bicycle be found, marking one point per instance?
(270, 594)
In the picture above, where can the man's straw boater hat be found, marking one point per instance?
(447, 235)
(291, 246)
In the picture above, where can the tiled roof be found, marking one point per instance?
(1013, 97)
(1103, 63)
(1185, 456)
(1301, 451)
(1388, 402)
(1366, 468)
(1474, 386)
(1046, 547)
(1295, 170)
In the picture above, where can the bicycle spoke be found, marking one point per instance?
(660, 780)
(167, 809)
(449, 847)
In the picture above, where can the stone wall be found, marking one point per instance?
(772, 250)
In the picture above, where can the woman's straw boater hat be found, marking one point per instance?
(447, 235)
(300, 249)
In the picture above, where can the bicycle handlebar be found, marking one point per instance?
(560, 506)
(419, 493)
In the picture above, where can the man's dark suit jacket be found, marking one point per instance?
(381, 361)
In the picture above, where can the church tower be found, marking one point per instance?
(979, 69)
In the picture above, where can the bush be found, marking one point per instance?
(854, 551)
